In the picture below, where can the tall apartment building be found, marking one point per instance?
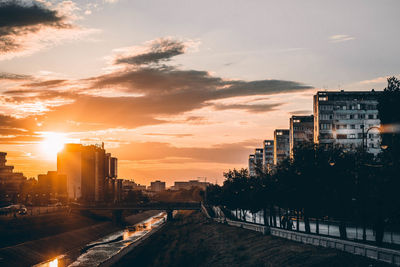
(301, 131)
(259, 155)
(344, 118)
(281, 145)
(91, 173)
(268, 158)
(252, 165)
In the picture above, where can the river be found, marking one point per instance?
(102, 250)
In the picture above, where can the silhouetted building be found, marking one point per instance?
(301, 131)
(252, 165)
(10, 181)
(52, 182)
(91, 173)
(281, 145)
(343, 118)
(190, 184)
(157, 186)
(268, 157)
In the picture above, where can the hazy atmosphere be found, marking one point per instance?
(178, 89)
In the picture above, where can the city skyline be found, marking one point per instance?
(177, 100)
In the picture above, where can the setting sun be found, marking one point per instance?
(53, 143)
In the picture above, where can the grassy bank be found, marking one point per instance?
(193, 240)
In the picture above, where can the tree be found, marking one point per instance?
(389, 114)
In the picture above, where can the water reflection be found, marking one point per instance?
(103, 249)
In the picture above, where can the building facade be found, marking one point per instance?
(157, 186)
(268, 157)
(301, 131)
(190, 184)
(344, 118)
(10, 181)
(52, 182)
(252, 165)
(91, 173)
(281, 145)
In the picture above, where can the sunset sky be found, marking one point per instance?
(178, 89)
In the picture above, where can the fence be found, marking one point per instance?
(381, 254)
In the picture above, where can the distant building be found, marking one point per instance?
(301, 131)
(91, 173)
(10, 181)
(281, 145)
(258, 161)
(52, 182)
(252, 165)
(343, 119)
(268, 157)
(189, 184)
(128, 185)
(157, 186)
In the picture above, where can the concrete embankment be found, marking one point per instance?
(194, 240)
(35, 251)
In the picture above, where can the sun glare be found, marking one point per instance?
(53, 143)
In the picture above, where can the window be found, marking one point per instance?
(361, 116)
(352, 136)
(326, 126)
(326, 116)
(351, 116)
(341, 126)
(370, 116)
(323, 98)
(326, 107)
(352, 126)
(341, 136)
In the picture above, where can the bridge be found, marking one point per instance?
(117, 209)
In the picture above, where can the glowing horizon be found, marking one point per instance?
(172, 95)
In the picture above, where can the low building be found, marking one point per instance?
(10, 182)
(157, 186)
(54, 183)
(190, 184)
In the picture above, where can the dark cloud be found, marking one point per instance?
(160, 91)
(13, 76)
(159, 50)
(19, 18)
(48, 83)
(222, 153)
(253, 108)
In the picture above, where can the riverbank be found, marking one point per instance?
(193, 240)
(87, 229)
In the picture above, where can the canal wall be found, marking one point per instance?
(381, 254)
(40, 250)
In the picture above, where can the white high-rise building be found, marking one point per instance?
(347, 119)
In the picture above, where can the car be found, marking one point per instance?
(23, 211)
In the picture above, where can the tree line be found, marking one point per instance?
(326, 182)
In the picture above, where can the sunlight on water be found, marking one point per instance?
(53, 263)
